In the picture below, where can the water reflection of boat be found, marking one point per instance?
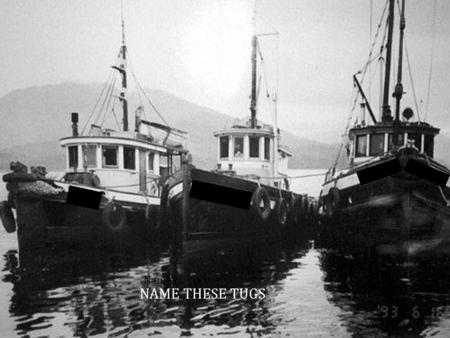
(393, 195)
(103, 297)
(388, 296)
(116, 175)
(247, 195)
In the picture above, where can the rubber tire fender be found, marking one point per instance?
(281, 212)
(7, 217)
(261, 195)
(114, 217)
(333, 202)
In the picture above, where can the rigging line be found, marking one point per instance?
(107, 95)
(115, 116)
(97, 102)
(363, 71)
(287, 176)
(370, 36)
(152, 105)
(430, 74)
(374, 39)
(109, 100)
(263, 64)
(412, 82)
(137, 89)
(343, 138)
(111, 97)
(101, 109)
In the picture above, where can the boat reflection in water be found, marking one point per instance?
(76, 294)
(315, 292)
(387, 295)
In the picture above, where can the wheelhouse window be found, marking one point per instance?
(109, 157)
(224, 146)
(376, 145)
(361, 145)
(73, 156)
(129, 158)
(266, 148)
(151, 161)
(417, 138)
(428, 146)
(164, 165)
(400, 142)
(254, 146)
(238, 146)
(90, 155)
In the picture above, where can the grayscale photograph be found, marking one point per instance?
(234, 168)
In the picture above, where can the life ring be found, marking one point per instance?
(281, 212)
(114, 216)
(7, 217)
(333, 202)
(261, 203)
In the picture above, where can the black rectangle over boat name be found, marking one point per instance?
(426, 172)
(220, 194)
(379, 171)
(84, 197)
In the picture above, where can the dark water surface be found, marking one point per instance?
(309, 292)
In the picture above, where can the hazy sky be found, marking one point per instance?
(199, 50)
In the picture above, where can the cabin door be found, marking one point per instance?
(142, 170)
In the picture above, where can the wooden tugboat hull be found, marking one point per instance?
(46, 220)
(397, 214)
(204, 226)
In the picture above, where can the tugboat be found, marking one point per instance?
(246, 197)
(393, 196)
(110, 192)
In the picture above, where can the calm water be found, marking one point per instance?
(316, 292)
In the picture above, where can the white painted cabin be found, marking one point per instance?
(249, 152)
(125, 161)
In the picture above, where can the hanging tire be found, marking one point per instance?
(114, 217)
(281, 212)
(152, 216)
(295, 210)
(333, 202)
(261, 203)
(7, 217)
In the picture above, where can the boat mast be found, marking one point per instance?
(123, 72)
(386, 110)
(253, 96)
(398, 92)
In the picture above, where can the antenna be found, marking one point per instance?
(123, 23)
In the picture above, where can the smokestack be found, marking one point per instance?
(74, 124)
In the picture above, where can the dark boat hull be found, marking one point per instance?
(205, 226)
(44, 224)
(45, 218)
(396, 214)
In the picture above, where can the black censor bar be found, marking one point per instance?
(84, 197)
(220, 194)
